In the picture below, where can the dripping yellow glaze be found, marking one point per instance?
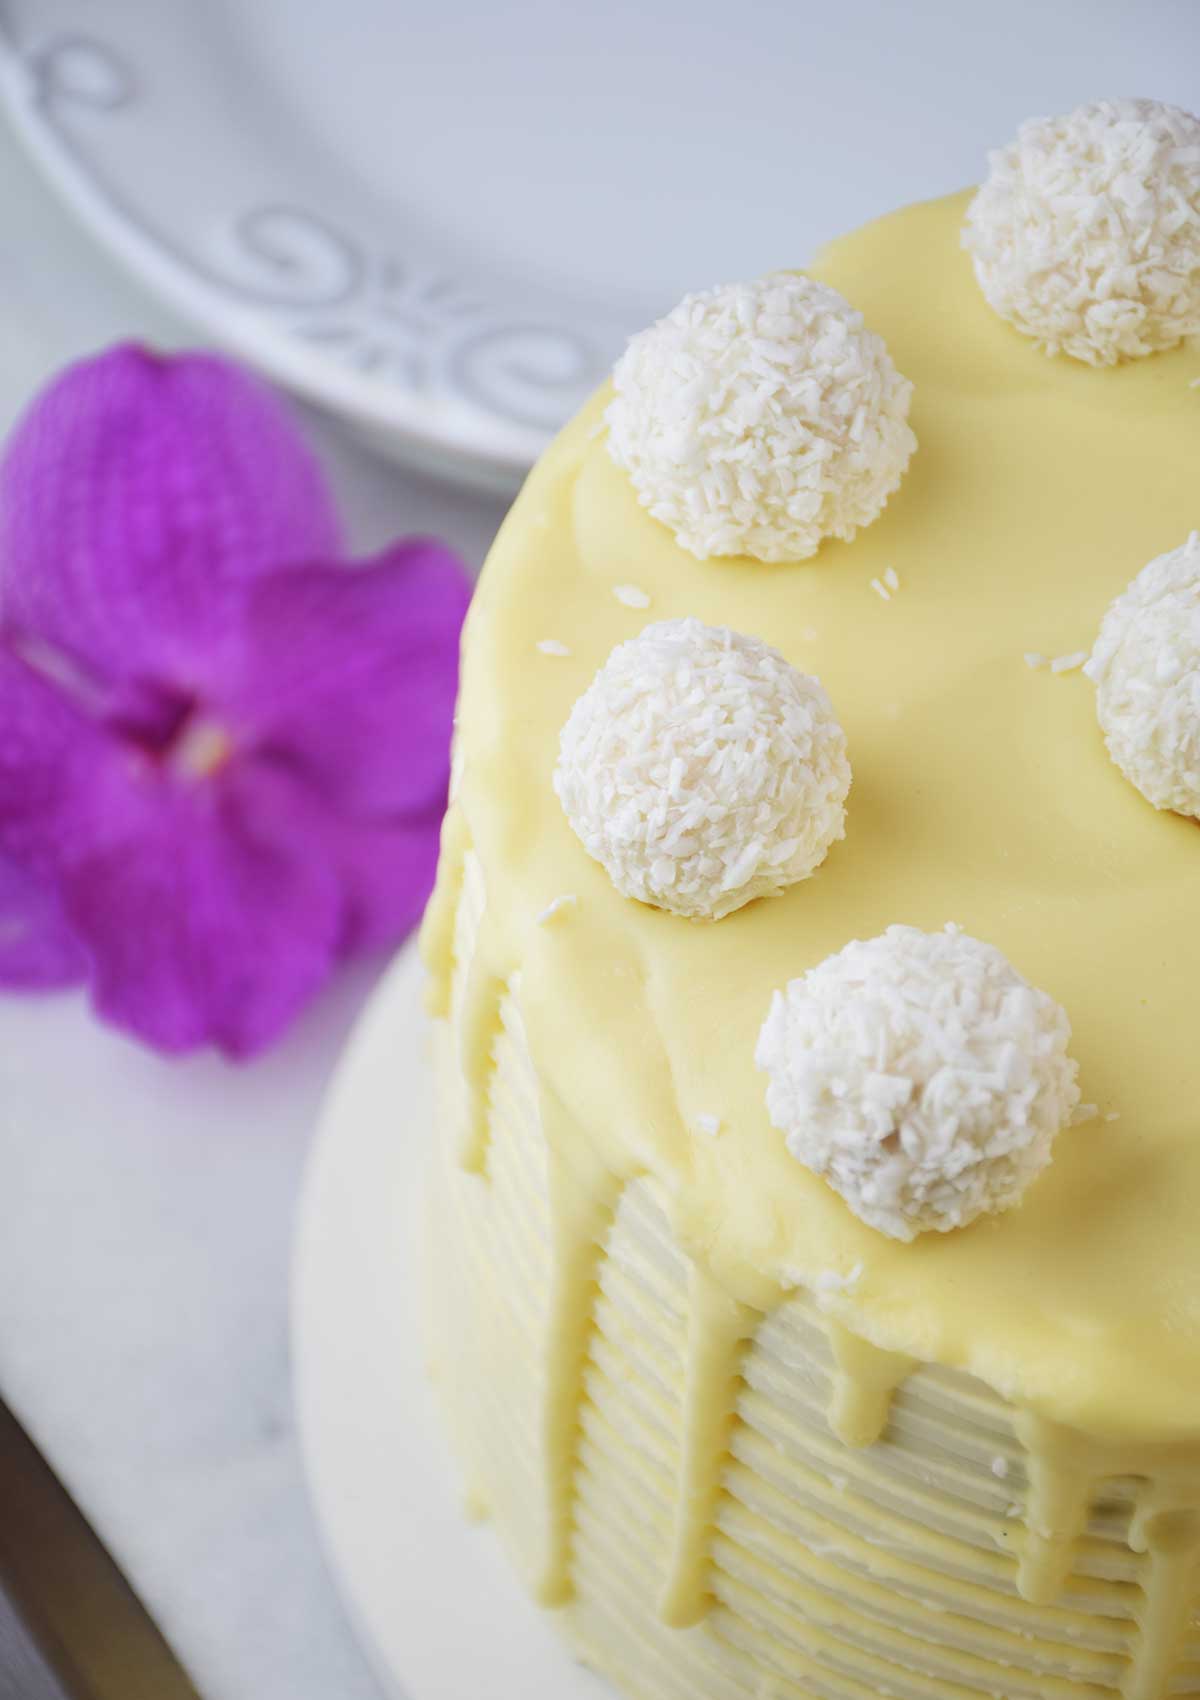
(1064, 1469)
(479, 1027)
(437, 928)
(581, 1198)
(982, 795)
(865, 1377)
(716, 1328)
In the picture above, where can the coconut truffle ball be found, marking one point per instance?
(759, 418)
(702, 770)
(1146, 669)
(1086, 235)
(919, 1075)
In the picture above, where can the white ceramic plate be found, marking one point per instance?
(432, 1596)
(440, 218)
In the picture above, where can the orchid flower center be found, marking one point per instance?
(175, 731)
(161, 721)
(201, 749)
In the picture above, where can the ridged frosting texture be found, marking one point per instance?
(1086, 234)
(1146, 669)
(759, 418)
(702, 769)
(831, 1520)
(921, 1076)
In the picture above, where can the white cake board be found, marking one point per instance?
(439, 1610)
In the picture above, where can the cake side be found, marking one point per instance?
(752, 1509)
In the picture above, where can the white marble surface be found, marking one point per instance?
(146, 1207)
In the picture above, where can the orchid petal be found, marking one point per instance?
(385, 868)
(139, 496)
(387, 874)
(38, 951)
(64, 784)
(212, 926)
(349, 675)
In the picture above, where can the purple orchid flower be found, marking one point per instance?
(223, 752)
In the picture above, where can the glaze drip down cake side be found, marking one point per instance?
(814, 1275)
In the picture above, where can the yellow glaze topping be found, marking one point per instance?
(982, 795)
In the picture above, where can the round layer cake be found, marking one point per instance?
(742, 1441)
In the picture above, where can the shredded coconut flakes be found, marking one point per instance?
(880, 589)
(1069, 663)
(921, 1076)
(710, 1125)
(1086, 235)
(1035, 658)
(702, 770)
(631, 595)
(552, 646)
(1146, 669)
(759, 418)
(831, 1281)
(1000, 1467)
(568, 900)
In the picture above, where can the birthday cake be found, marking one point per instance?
(814, 1264)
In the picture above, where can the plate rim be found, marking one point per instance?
(422, 424)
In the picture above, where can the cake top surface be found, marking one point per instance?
(983, 796)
